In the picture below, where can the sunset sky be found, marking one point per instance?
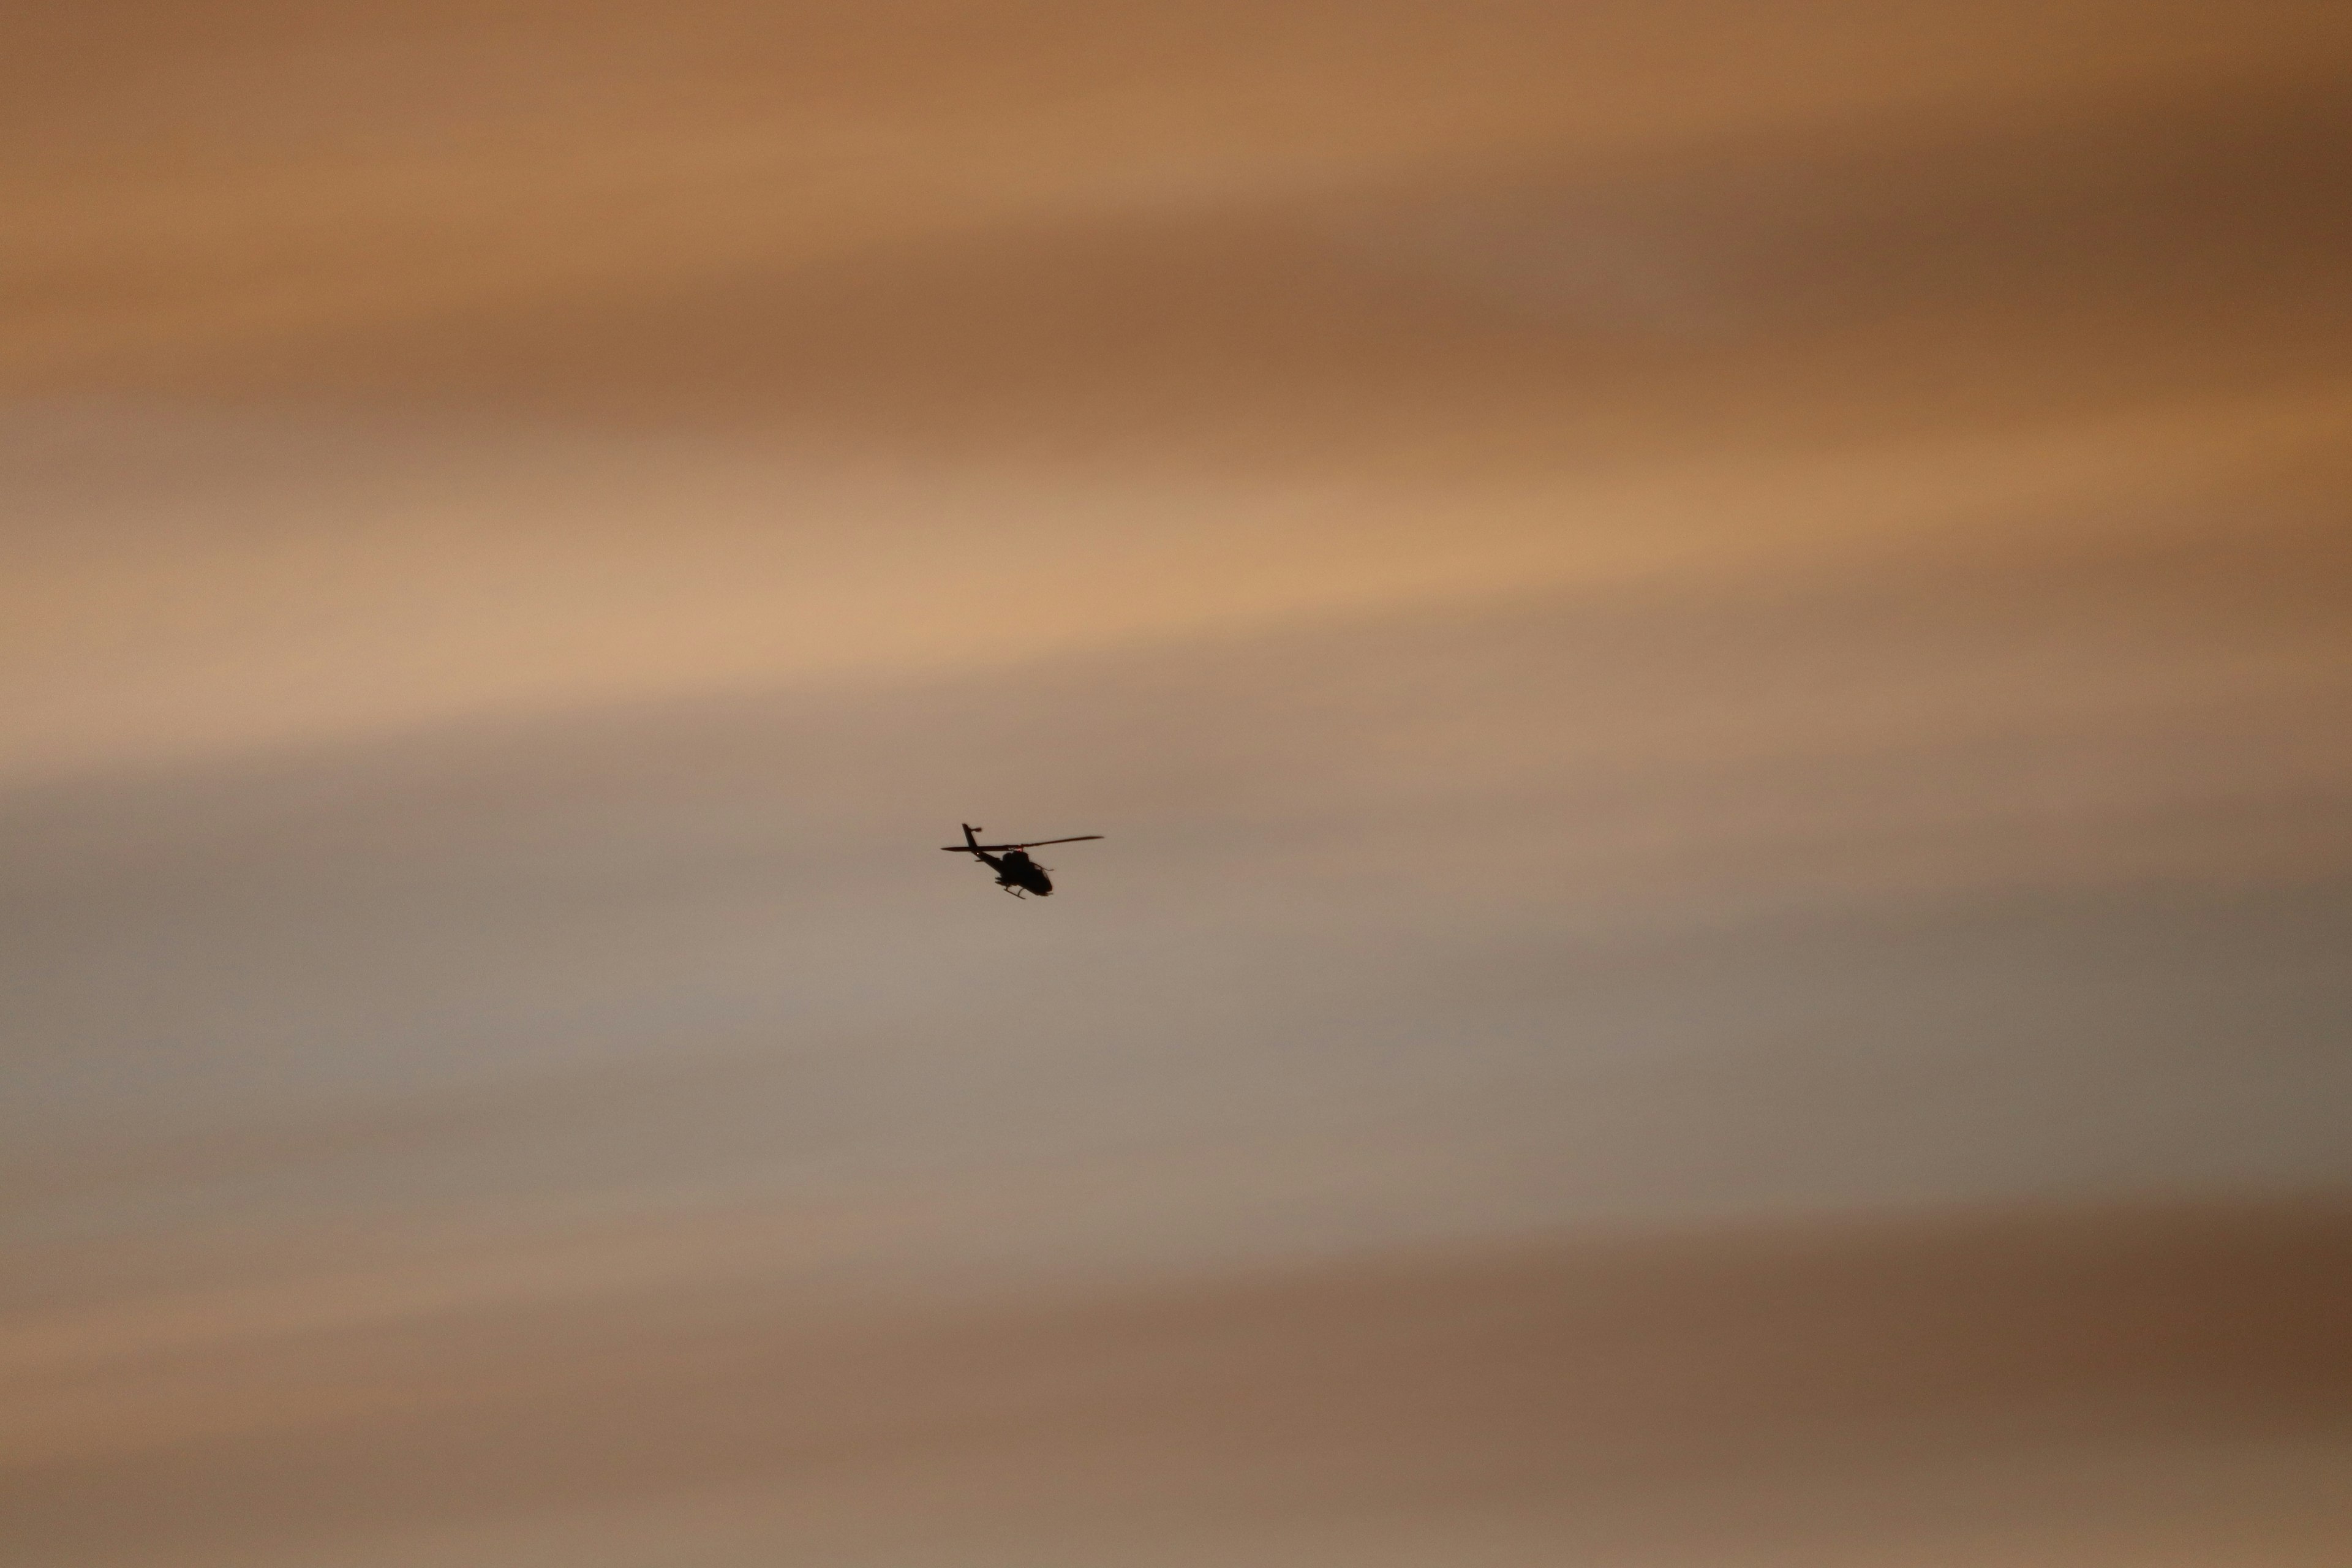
(1713, 643)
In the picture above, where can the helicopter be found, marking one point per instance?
(1015, 872)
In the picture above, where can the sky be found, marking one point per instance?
(1711, 642)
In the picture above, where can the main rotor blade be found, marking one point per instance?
(1026, 843)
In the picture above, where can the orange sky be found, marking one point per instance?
(372, 367)
(1705, 621)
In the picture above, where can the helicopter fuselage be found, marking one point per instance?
(1015, 869)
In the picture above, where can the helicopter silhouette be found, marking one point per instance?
(1015, 872)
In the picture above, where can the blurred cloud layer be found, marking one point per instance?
(1713, 643)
